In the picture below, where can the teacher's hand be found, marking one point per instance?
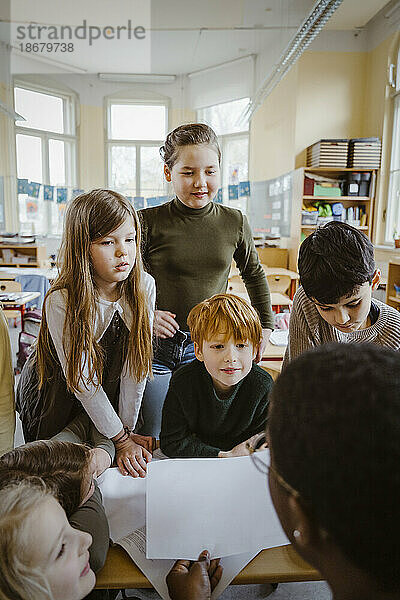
(165, 325)
(266, 333)
(189, 580)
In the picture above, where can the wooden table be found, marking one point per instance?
(272, 352)
(276, 565)
(19, 305)
(272, 359)
(12, 272)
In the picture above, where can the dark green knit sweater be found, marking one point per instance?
(189, 253)
(196, 423)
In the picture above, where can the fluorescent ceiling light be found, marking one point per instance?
(306, 33)
(390, 12)
(137, 78)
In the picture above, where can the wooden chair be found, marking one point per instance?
(278, 285)
(278, 298)
(8, 285)
(236, 286)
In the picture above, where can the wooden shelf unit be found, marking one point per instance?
(299, 198)
(38, 252)
(303, 227)
(338, 199)
(393, 278)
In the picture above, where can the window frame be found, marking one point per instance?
(137, 144)
(392, 210)
(71, 157)
(224, 139)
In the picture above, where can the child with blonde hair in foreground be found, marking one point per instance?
(67, 470)
(41, 556)
(217, 402)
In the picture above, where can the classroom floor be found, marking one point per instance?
(285, 591)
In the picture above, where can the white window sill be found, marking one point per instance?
(386, 248)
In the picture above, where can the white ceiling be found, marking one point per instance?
(355, 13)
(186, 35)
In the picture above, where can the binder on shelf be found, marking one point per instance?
(365, 153)
(328, 153)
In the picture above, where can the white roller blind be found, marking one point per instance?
(223, 83)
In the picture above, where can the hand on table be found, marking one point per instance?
(196, 580)
(147, 441)
(266, 334)
(242, 449)
(100, 461)
(132, 458)
(165, 325)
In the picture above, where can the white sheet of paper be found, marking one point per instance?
(156, 570)
(223, 505)
(279, 337)
(124, 500)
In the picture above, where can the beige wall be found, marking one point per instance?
(91, 148)
(179, 116)
(376, 90)
(330, 98)
(272, 132)
(323, 96)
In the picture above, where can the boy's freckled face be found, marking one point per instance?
(349, 314)
(226, 360)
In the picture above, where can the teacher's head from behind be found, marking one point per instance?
(334, 437)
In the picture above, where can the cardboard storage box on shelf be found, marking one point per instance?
(309, 217)
(324, 189)
(7, 254)
(20, 259)
(364, 153)
(324, 220)
(328, 153)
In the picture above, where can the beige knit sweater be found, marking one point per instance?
(308, 329)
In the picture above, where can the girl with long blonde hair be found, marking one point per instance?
(95, 343)
(41, 556)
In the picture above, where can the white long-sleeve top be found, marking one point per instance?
(94, 399)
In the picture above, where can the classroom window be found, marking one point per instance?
(233, 135)
(135, 133)
(393, 207)
(46, 155)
